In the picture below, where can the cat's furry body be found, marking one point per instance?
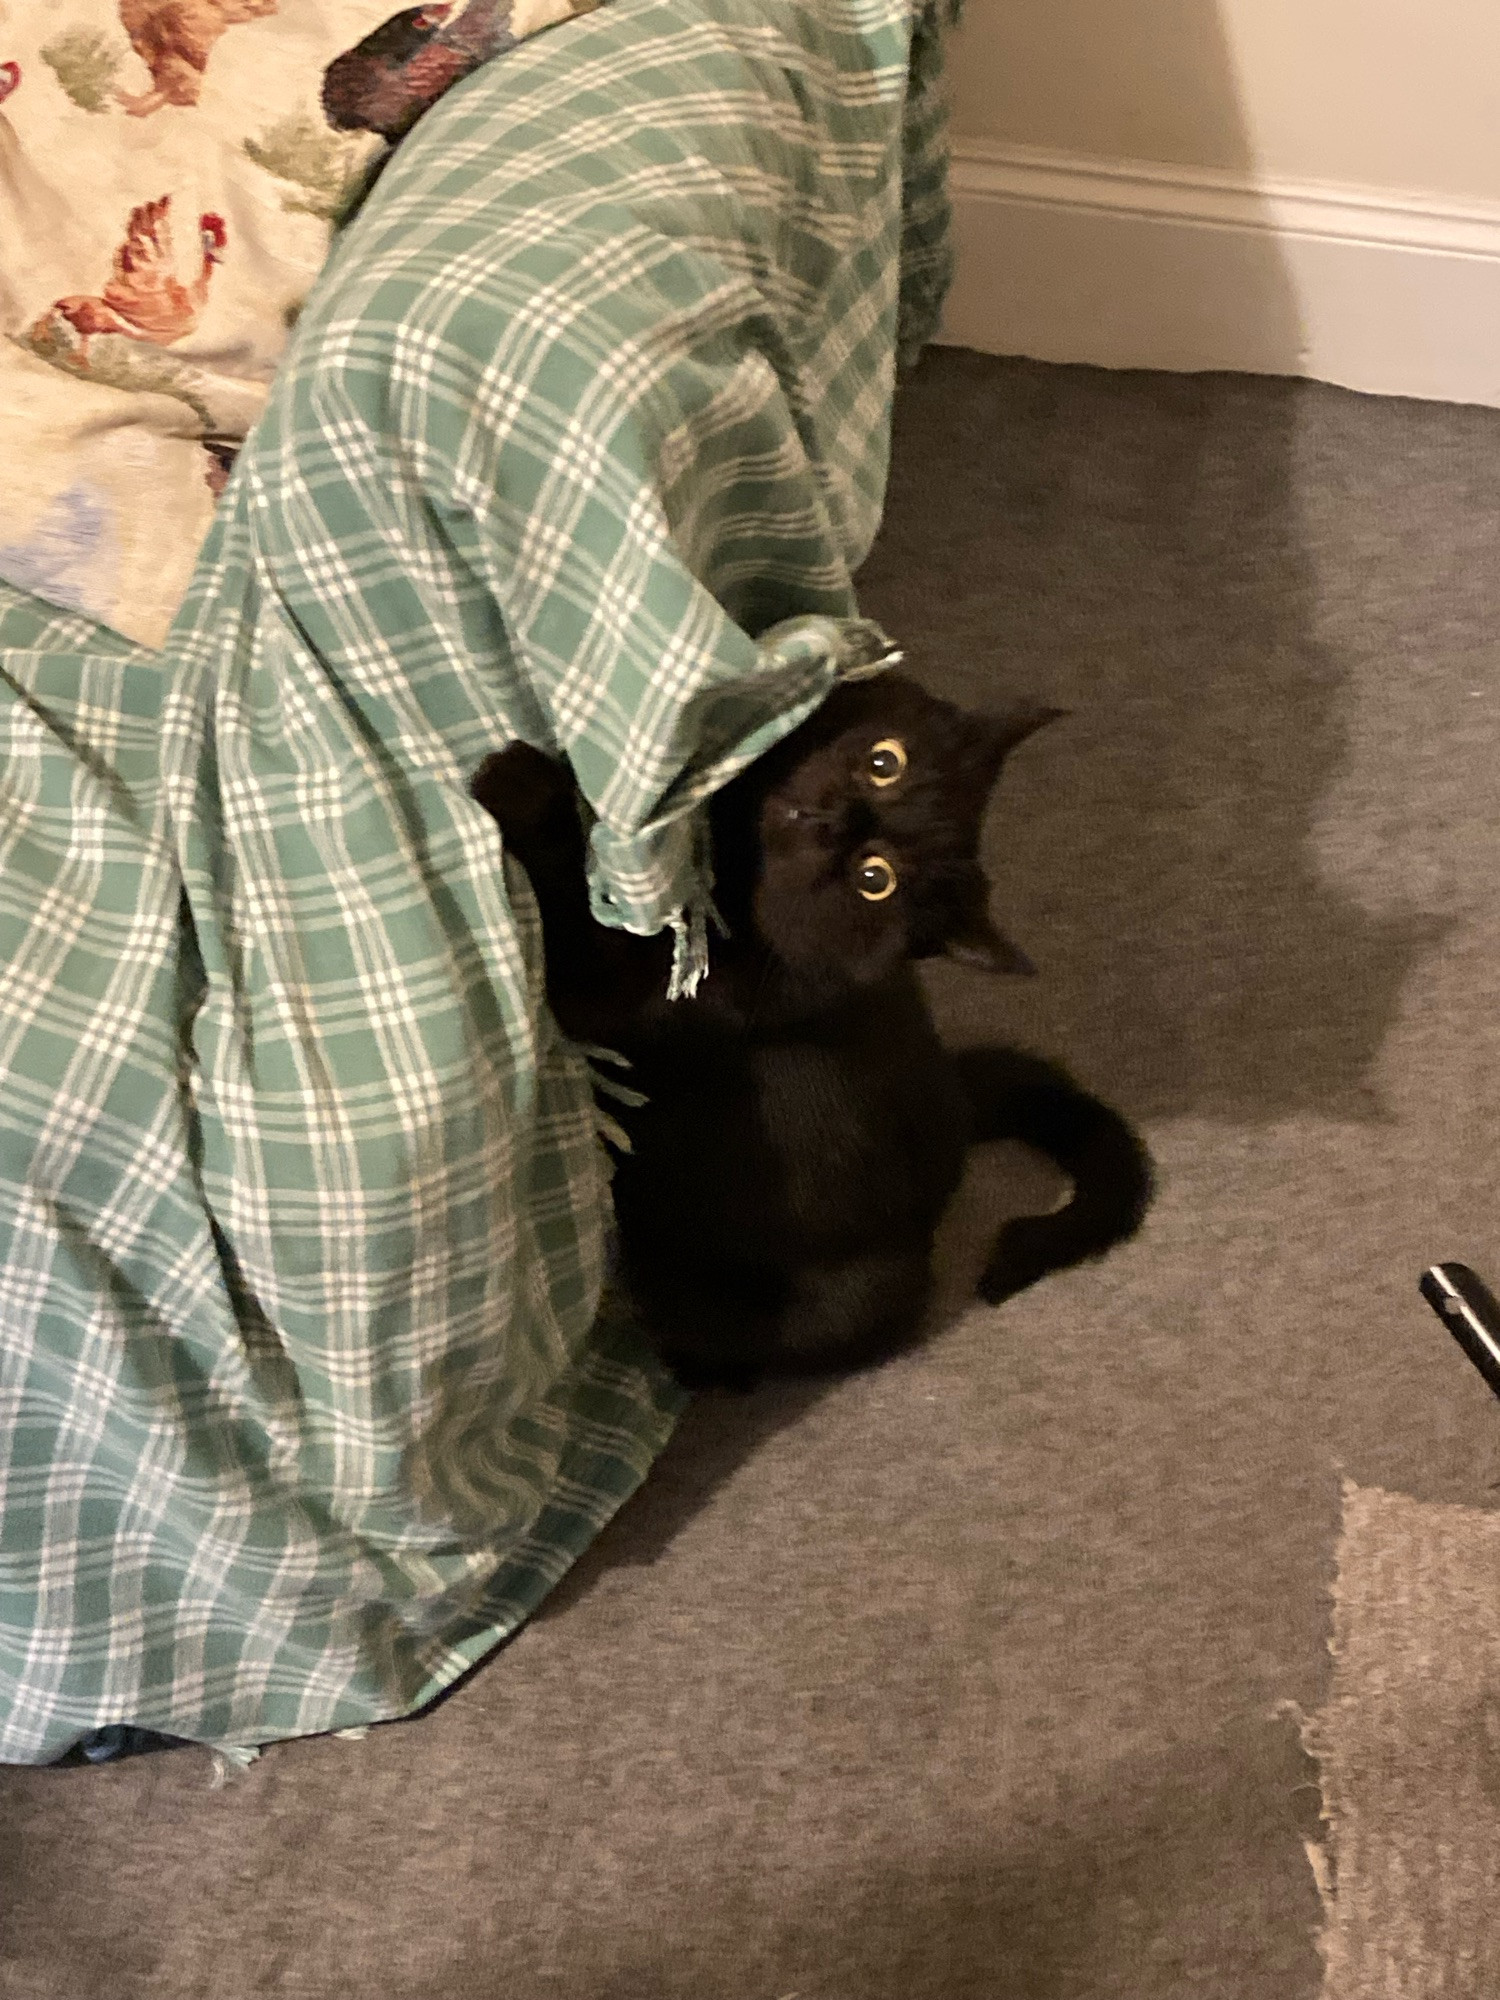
(804, 1128)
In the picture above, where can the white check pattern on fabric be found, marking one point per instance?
(306, 1398)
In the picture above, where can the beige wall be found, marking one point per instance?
(1398, 94)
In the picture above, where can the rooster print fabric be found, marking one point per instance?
(170, 175)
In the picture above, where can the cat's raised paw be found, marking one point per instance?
(523, 791)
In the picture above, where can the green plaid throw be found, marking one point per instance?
(306, 1399)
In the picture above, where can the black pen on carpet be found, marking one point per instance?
(1469, 1310)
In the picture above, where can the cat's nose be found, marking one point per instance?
(829, 822)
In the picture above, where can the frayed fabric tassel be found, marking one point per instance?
(866, 670)
(229, 1760)
(689, 953)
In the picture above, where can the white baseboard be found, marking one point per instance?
(1133, 265)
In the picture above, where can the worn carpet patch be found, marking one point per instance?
(1409, 1749)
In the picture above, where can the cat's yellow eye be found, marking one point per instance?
(875, 878)
(887, 761)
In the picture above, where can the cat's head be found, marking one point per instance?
(854, 843)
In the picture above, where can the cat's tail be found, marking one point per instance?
(1024, 1097)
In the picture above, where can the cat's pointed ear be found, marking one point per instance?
(1012, 729)
(983, 944)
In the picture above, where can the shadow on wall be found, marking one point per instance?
(1147, 80)
(1111, 269)
(1150, 82)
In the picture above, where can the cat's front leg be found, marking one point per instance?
(530, 797)
(599, 981)
(1024, 1097)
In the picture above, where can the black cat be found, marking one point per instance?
(804, 1129)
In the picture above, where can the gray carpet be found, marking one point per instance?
(962, 1679)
